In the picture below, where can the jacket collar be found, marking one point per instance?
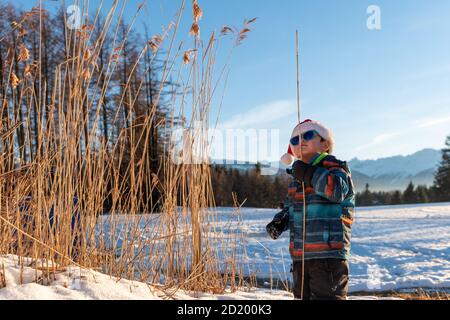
(317, 158)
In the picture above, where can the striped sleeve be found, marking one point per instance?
(332, 183)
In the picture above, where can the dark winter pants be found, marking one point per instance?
(325, 279)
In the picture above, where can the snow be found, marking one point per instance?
(82, 284)
(393, 248)
(66, 283)
(73, 283)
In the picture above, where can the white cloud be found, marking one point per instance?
(434, 122)
(378, 140)
(435, 72)
(261, 115)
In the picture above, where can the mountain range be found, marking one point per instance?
(395, 173)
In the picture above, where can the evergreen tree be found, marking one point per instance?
(442, 177)
(422, 194)
(367, 198)
(258, 168)
(409, 195)
(396, 197)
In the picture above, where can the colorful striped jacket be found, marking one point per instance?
(330, 207)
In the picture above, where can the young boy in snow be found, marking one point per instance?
(330, 202)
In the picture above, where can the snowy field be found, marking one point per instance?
(393, 247)
(79, 284)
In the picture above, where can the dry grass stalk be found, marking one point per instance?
(24, 54)
(2, 277)
(155, 42)
(197, 12)
(195, 29)
(14, 80)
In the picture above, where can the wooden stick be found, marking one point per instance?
(303, 184)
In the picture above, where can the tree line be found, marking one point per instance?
(248, 188)
(412, 194)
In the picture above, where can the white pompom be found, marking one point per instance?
(287, 159)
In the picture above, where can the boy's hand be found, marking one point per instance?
(274, 229)
(303, 172)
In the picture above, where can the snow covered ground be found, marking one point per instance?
(79, 284)
(393, 247)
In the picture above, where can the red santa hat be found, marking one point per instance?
(303, 127)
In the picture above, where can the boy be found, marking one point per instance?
(330, 202)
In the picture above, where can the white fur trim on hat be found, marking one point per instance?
(288, 157)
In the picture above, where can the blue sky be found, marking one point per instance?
(382, 92)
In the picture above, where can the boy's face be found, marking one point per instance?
(306, 149)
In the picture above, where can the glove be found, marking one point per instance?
(303, 172)
(275, 228)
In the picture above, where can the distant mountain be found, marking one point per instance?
(384, 174)
(395, 173)
(399, 165)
